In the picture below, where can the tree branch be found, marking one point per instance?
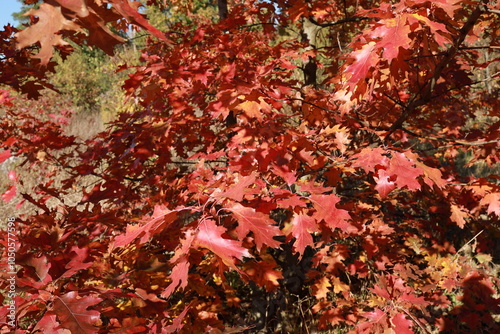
(342, 21)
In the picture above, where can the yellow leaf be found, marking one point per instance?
(251, 109)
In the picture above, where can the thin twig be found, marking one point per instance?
(342, 21)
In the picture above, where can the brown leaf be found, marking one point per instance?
(50, 22)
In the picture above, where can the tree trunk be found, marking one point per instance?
(222, 4)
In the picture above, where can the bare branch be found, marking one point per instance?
(331, 24)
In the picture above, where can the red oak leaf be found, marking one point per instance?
(284, 172)
(262, 227)
(40, 278)
(251, 109)
(402, 325)
(179, 277)
(177, 322)
(129, 326)
(313, 188)
(179, 274)
(286, 199)
(458, 215)
(161, 218)
(49, 324)
(210, 237)
(404, 169)
(377, 319)
(321, 288)
(436, 28)
(264, 273)
(302, 227)
(124, 8)
(4, 155)
(326, 210)
(9, 193)
(71, 310)
(77, 262)
(432, 175)
(238, 190)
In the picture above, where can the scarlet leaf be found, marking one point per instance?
(326, 210)
(405, 171)
(384, 184)
(402, 324)
(71, 310)
(394, 33)
(302, 227)
(210, 237)
(364, 60)
(458, 215)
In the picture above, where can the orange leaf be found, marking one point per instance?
(320, 288)
(493, 202)
(458, 215)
